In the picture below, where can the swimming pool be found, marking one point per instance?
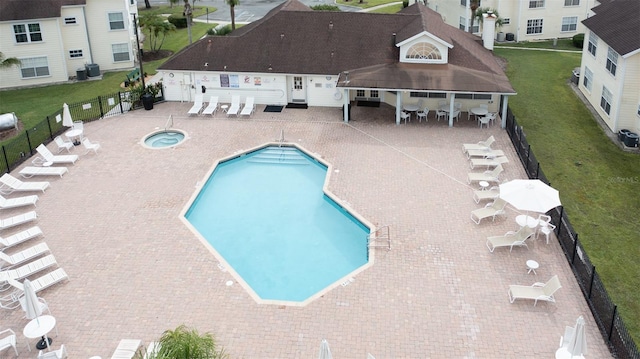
(265, 213)
(164, 139)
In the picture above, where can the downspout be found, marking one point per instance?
(619, 95)
(86, 31)
(398, 106)
(519, 20)
(62, 52)
(345, 108)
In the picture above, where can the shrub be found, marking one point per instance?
(405, 3)
(221, 31)
(578, 40)
(178, 21)
(325, 7)
(211, 31)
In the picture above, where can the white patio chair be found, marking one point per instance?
(510, 239)
(423, 114)
(545, 226)
(456, 115)
(197, 105)
(56, 354)
(484, 121)
(489, 176)
(235, 106)
(249, 107)
(89, 146)
(212, 107)
(405, 116)
(8, 340)
(490, 210)
(10, 184)
(441, 114)
(62, 144)
(481, 145)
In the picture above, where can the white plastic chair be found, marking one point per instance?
(405, 116)
(90, 146)
(424, 113)
(56, 354)
(9, 340)
(441, 114)
(484, 121)
(62, 144)
(545, 226)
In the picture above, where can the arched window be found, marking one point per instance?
(424, 51)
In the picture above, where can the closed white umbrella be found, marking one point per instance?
(530, 195)
(325, 352)
(577, 346)
(67, 121)
(31, 304)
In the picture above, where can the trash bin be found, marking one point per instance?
(511, 36)
(622, 134)
(93, 70)
(501, 36)
(631, 140)
(81, 74)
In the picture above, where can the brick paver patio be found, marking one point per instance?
(136, 270)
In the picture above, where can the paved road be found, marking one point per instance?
(248, 10)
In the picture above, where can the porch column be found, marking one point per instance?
(503, 115)
(451, 109)
(345, 108)
(398, 106)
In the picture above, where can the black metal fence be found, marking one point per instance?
(19, 148)
(604, 310)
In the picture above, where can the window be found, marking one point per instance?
(571, 2)
(536, 4)
(506, 21)
(120, 52)
(69, 20)
(463, 3)
(476, 27)
(360, 93)
(374, 93)
(612, 61)
(34, 67)
(474, 96)
(534, 26)
(593, 44)
(463, 24)
(588, 78)
(27, 32)
(423, 51)
(74, 54)
(605, 100)
(116, 21)
(418, 94)
(437, 95)
(569, 23)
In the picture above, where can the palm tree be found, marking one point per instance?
(484, 10)
(186, 343)
(473, 5)
(8, 62)
(188, 12)
(232, 7)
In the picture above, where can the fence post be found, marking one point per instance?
(100, 106)
(538, 171)
(29, 142)
(6, 160)
(120, 102)
(50, 130)
(575, 250)
(593, 277)
(613, 322)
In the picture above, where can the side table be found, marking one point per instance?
(532, 266)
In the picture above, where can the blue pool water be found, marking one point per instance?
(164, 139)
(267, 215)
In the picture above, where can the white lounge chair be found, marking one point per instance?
(42, 282)
(28, 269)
(536, 291)
(235, 106)
(490, 210)
(491, 193)
(8, 340)
(489, 176)
(197, 105)
(485, 153)
(510, 239)
(6, 203)
(62, 144)
(56, 354)
(18, 219)
(10, 184)
(126, 349)
(24, 255)
(249, 107)
(31, 171)
(89, 146)
(212, 107)
(20, 237)
(49, 158)
(482, 145)
(488, 162)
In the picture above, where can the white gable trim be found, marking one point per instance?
(424, 34)
(424, 37)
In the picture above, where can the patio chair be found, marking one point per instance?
(62, 144)
(490, 210)
(197, 105)
(10, 184)
(90, 146)
(8, 340)
(536, 291)
(42, 282)
(405, 116)
(18, 201)
(488, 162)
(491, 193)
(545, 226)
(49, 158)
(456, 115)
(126, 349)
(441, 114)
(23, 256)
(20, 237)
(44, 307)
(212, 107)
(56, 354)
(235, 106)
(31, 171)
(487, 153)
(484, 121)
(249, 107)
(27, 270)
(18, 219)
(510, 239)
(489, 176)
(423, 114)
(482, 145)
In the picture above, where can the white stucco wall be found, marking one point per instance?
(102, 37)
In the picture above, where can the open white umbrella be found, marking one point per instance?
(530, 195)
(325, 352)
(67, 121)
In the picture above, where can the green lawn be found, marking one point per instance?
(598, 182)
(562, 44)
(365, 3)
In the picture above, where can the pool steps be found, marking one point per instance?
(282, 155)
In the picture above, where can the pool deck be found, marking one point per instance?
(136, 270)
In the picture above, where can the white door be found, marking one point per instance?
(298, 91)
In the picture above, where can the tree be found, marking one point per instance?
(232, 7)
(473, 5)
(185, 343)
(188, 12)
(485, 10)
(8, 62)
(172, 2)
(147, 4)
(157, 29)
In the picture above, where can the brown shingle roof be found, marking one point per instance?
(293, 39)
(617, 22)
(33, 9)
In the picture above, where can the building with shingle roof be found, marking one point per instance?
(297, 56)
(610, 68)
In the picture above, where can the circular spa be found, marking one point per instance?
(266, 214)
(164, 139)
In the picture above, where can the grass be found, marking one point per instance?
(391, 9)
(598, 182)
(562, 44)
(365, 4)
